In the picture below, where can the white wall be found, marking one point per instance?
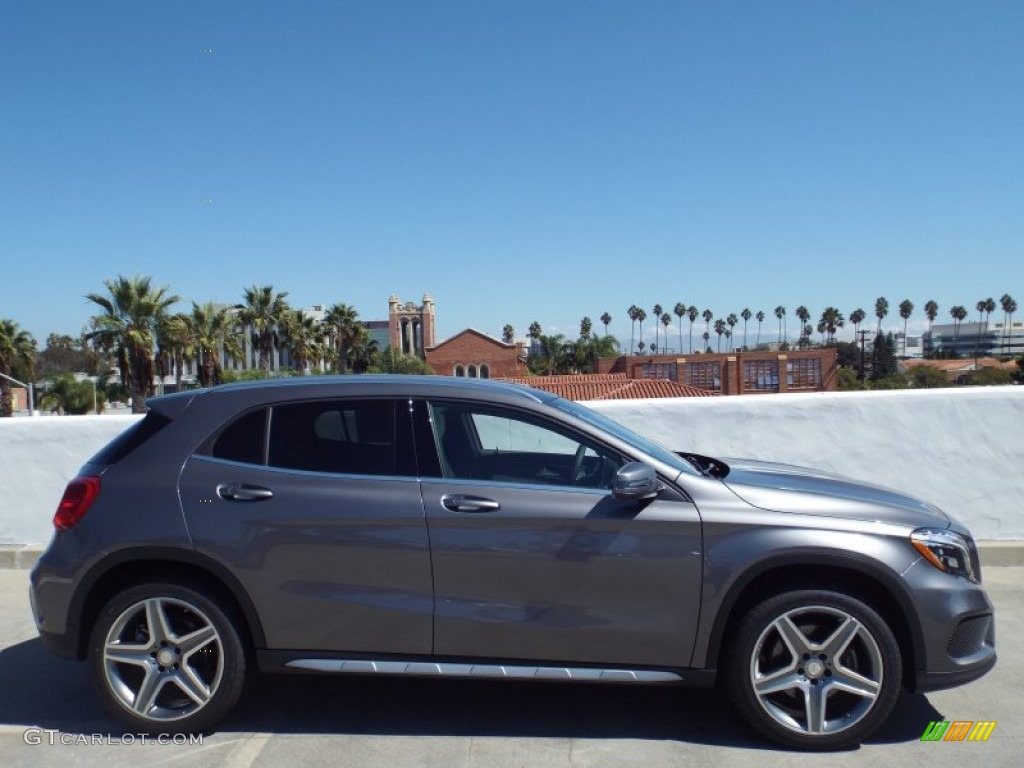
(961, 449)
(37, 458)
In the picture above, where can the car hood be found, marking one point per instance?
(786, 488)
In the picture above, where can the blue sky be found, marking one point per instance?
(519, 160)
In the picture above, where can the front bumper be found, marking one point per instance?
(957, 621)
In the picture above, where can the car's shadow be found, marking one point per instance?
(44, 691)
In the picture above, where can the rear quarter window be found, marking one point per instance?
(131, 438)
(243, 440)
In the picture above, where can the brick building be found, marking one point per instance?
(739, 373)
(475, 355)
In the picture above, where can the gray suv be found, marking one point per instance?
(442, 527)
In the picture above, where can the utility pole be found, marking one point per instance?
(863, 335)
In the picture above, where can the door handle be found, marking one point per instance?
(458, 502)
(243, 492)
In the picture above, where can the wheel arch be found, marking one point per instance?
(133, 566)
(842, 573)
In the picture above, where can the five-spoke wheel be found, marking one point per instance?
(814, 669)
(166, 658)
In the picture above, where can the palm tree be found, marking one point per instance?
(707, 338)
(172, 347)
(535, 330)
(632, 313)
(832, 319)
(362, 349)
(602, 346)
(640, 317)
(804, 314)
(856, 318)
(127, 327)
(746, 315)
(17, 350)
(760, 319)
(731, 321)
(262, 315)
(342, 323)
(959, 314)
(303, 335)
(881, 310)
(708, 316)
(210, 330)
(931, 311)
(606, 319)
(657, 317)
(780, 313)
(692, 314)
(554, 351)
(1009, 307)
(586, 326)
(65, 396)
(508, 333)
(680, 311)
(906, 310)
(985, 307)
(666, 320)
(719, 329)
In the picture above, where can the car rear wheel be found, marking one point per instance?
(814, 669)
(166, 658)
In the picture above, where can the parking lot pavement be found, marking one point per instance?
(49, 716)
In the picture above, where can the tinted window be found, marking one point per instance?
(244, 439)
(353, 437)
(131, 439)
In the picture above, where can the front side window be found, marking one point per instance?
(491, 444)
(347, 437)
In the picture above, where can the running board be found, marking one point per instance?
(488, 671)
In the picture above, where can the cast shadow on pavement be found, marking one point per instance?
(44, 691)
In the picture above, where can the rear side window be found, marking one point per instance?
(131, 438)
(244, 439)
(346, 436)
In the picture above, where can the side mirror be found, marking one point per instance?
(636, 480)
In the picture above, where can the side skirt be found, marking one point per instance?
(278, 661)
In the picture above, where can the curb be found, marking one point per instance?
(19, 557)
(993, 554)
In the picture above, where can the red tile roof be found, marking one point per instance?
(609, 386)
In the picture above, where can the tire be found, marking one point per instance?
(167, 658)
(813, 669)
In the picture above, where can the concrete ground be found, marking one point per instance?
(49, 716)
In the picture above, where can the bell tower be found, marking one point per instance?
(411, 328)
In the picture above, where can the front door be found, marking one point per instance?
(534, 560)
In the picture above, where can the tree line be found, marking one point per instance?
(829, 322)
(135, 333)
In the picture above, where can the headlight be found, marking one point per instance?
(948, 551)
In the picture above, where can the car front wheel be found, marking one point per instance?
(814, 669)
(166, 658)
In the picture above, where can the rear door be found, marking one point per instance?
(534, 559)
(316, 509)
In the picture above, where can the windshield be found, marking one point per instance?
(651, 448)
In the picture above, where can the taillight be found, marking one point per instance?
(78, 497)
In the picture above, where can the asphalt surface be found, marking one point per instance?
(49, 716)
